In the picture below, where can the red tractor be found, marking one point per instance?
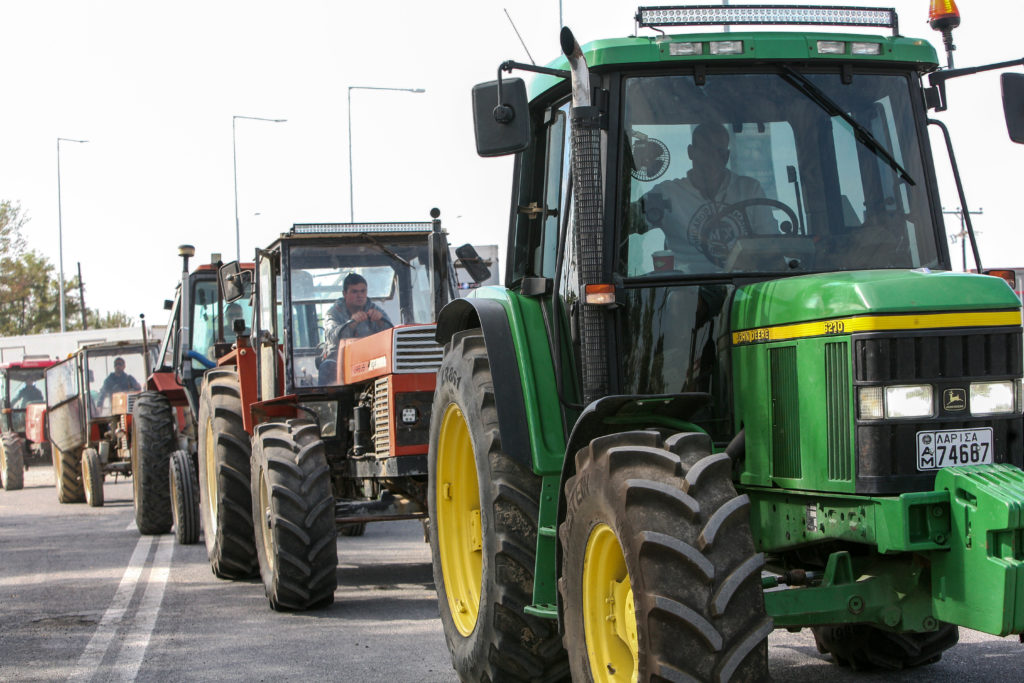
(299, 439)
(22, 385)
(164, 416)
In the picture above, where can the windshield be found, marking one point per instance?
(114, 370)
(205, 322)
(394, 282)
(760, 173)
(25, 385)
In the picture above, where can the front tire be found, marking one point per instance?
(92, 477)
(864, 647)
(293, 507)
(12, 461)
(184, 486)
(67, 475)
(660, 580)
(152, 443)
(483, 506)
(225, 499)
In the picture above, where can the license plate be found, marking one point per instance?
(954, 448)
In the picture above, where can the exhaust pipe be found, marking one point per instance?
(589, 227)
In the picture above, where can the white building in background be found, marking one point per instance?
(58, 345)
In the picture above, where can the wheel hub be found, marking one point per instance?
(609, 612)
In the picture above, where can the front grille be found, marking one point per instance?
(785, 413)
(416, 350)
(381, 418)
(945, 359)
(837, 409)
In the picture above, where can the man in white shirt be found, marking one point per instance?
(689, 209)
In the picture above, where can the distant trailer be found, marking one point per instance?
(58, 345)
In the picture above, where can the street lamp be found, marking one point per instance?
(60, 236)
(351, 206)
(234, 161)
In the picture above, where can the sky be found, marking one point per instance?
(154, 86)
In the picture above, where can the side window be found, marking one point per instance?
(556, 168)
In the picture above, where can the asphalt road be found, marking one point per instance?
(84, 597)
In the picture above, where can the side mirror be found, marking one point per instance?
(472, 262)
(501, 128)
(234, 282)
(1013, 105)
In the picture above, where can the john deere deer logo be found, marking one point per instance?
(954, 399)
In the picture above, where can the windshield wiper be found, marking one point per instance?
(387, 251)
(863, 135)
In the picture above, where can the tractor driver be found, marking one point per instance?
(352, 316)
(29, 393)
(118, 380)
(684, 207)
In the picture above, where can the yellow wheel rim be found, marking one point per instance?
(459, 537)
(609, 614)
(264, 521)
(211, 472)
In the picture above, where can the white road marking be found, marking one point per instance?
(135, 641)
(131, 526)
(98, 645)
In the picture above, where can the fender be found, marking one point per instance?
(490, 316)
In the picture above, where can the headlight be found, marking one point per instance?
(870, 403)
(991, 398)
(909, 401)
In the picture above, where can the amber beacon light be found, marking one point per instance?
(943, 16)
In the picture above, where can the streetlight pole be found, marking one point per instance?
(351, 205)
(234, 163)
(60, 234)
(959, 213)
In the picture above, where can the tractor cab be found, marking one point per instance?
(21, 384)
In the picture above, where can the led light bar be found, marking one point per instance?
(705, 15)
(356, 228)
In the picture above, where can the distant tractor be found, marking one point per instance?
(301, 436)
(731, 383)
(22, 384)
(89, 399)
(164, 417)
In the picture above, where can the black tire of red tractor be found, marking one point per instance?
(865, 648)
(352, 529)
(67, 475)
(184, 486)
(92, 477)
(293, 506)
(225, 502)
(152, 442)
(12, 461)
(506, 644)
(686, 541)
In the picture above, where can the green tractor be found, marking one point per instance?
(731, 384)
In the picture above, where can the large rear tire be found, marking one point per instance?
(184, 498)
(225, 500)
(152, 443)
(660, 580)
(296, 538)
(67, 474)
(92, 477)
(483, 506)
(863, 647)
(12, 461)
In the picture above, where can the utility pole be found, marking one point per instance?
(81, 297)
(962, 235)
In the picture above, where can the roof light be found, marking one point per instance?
(766, 14)
(943, 15)
(685, 49)
(600, 295)
(865, 48)
(726, 47)
(831, 47)
(356, 228)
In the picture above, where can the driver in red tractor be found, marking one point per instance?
(351, 317)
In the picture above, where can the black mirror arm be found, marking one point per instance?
(502, 112)
(937, 79)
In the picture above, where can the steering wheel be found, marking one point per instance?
(720, 231)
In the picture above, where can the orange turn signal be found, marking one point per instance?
(600, 294)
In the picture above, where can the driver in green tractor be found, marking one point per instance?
(690, 209)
